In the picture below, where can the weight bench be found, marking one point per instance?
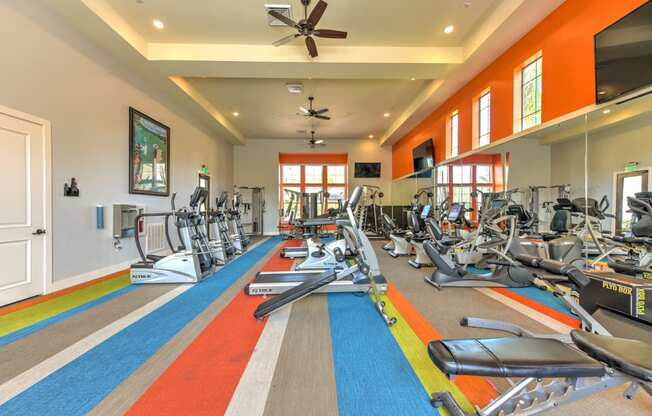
(552, 372)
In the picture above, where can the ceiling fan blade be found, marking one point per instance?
(323, 117)
(304, 111)
(327, 33)
(316, 13)
(322, 111)
(320, 141)
(286, 39)
(283, 19)
(312, 47)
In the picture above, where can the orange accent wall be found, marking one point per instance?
(316, 158)
(565, 38)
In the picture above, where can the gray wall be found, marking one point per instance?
(49, 71)
(256, 164)
(609, 150)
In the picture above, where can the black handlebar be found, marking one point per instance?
(166, 215)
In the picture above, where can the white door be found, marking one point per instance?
(24, 206)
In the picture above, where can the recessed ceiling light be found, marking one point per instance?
(371, 136)
(449, 29)
(412, 79)
(386, 115)
(235, 113)
(158, 24)
(602, 92)
(607, 111)
(295, 87)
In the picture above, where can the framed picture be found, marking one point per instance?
(149, 155)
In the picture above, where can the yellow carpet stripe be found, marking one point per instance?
(23, 318)
(432, 379)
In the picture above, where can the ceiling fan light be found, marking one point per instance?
(319, 141)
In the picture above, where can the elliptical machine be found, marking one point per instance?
(220, 239)
(239, 237)
(192, 263)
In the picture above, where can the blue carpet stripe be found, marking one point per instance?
(79, 386)
(544, 298)
(372, 374)
(22, 333)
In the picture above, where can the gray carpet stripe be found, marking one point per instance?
(304, 379)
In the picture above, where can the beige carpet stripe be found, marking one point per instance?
(257, 378)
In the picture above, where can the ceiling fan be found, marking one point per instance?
(314, 142)
(310, 112)
(306, 27)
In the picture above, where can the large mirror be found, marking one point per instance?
(402, 197)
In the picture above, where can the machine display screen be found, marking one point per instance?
(498, 203)
(623, 55)
(455, 212)
(425, 212)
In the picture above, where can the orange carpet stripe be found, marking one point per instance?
(558, 316)
(40, 299)
(478, 390)
(202, 380)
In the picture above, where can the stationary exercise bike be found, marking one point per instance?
(398, 244)
(328, 255)
(419, 237)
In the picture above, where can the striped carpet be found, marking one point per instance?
(109, 348)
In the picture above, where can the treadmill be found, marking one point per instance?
(274, 283)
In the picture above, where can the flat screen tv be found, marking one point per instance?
(367, 170)
(623, 55)
(423, 156)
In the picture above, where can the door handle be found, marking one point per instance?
(39, 232)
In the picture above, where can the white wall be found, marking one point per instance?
(256, 164)
(48, 70)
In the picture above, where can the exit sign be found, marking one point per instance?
(631, 166)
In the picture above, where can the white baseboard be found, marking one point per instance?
(94, 274)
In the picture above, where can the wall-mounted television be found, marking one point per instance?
(623, 55)
(367, 170)
(423, 156)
